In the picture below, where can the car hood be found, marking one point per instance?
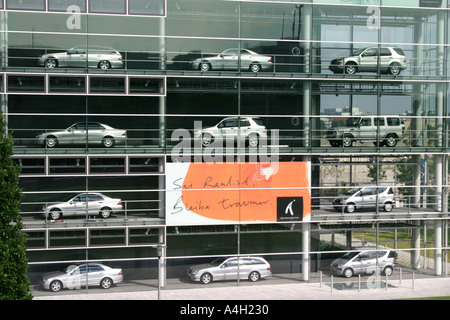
(339, 261)
(202, 266)
(53, 274)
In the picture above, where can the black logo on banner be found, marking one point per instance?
(289, 209)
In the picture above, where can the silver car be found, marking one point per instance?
(251, 268)
(392, 60)
(102, 58)
(229, 60)
(82, 204)
(365, 198)
(76, 277)
(364, 261)
(82, 132)
(249, 129)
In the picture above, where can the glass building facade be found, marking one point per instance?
(119, 97)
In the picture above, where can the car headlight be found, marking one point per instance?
(194, 272)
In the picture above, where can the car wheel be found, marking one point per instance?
(56, 285)
(391, 141)
(348, 273)
(204, 66)
(51, 63)
(106, 283)
(350, 208)
(350, 68)
(347, 141)
(255, 67)
(108, 142)
(51, 142)
(254, 276)
(104, 64)
(253, 140)
(394, 70)
(207, 139)
(105, 213)
(206, 278)
(388, 207)
(55, 214)
(388, 271)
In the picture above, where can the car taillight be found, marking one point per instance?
(124, 134)
(270, 60)
(268, 268)
(119, 203)
(120, 272)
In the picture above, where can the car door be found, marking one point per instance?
(77, 134)
(76, 58)
(79, 205)
(230, 269)
(369, 197)
(365, 129)
(368, 60)
(230, 59)
(227, 128)
(243, 130)
(95, 274)
(95, 132)
(95, 203)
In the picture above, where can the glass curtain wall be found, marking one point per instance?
(95, 95)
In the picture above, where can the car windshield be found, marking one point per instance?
(70, 268)
(357, 52)
(349, 255)
(217, 261)
(352, 122)
(351, 191)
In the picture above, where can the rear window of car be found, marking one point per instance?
(399, 51)
(393, 122)
(259, 122)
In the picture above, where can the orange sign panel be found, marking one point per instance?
(203, 193)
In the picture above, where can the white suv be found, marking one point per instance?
(365, 198)
(364, 261)
(392, 60)
(382, 130)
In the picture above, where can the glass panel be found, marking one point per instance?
(64, 5)
(107, 6)
(26, 5)
(67, 84)
(152, 7)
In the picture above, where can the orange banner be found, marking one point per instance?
(238, 192)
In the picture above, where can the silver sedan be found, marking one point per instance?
(229, 60)
(102, 58)
(251, 268)
(77, 277)
(82, 132)
(82, 204)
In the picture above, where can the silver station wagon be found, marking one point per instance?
(80, 57)
(251, 268)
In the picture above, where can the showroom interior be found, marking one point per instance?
(154, 73)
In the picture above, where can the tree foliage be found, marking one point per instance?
(14, 283)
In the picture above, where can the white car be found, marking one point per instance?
(251, 268)
(102, 58)
(364, 261)
(82, 132)
(392, 61)
(76, 277)
(229, 60)
(365, 197)
(82, 205)
(249, 129)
